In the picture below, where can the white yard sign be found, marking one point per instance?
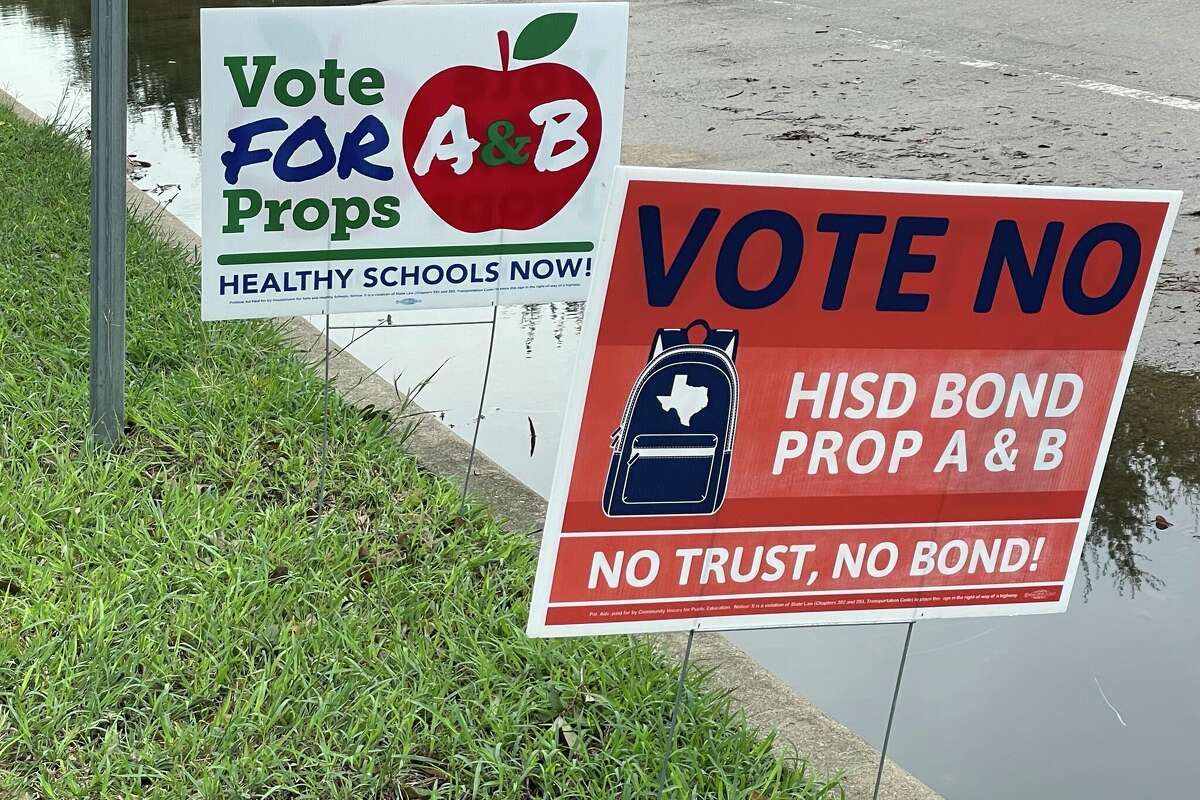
(376, 158)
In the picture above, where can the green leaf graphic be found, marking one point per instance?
(543, 36)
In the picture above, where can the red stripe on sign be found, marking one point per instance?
(601, 614)
(694, 565)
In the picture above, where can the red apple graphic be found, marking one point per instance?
(505, 184)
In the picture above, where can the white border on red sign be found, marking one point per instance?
(564, 465)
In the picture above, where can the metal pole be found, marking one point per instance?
(887, 734)
(487, 369)
(683, 668)
(107, 352)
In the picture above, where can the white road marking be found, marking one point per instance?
(1074, 82)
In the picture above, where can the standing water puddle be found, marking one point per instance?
(1096, 703)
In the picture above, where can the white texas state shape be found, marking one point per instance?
(684, 400)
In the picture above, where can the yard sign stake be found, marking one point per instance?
(324, 459)
(487, 369)
(887, 734)
(670, 743)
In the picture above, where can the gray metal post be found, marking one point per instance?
(109, 74)
(670, 743)
(887, 734)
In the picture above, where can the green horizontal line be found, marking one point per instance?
(364, 253)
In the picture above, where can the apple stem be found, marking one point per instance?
(502, 36)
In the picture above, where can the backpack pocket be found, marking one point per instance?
(669, 468)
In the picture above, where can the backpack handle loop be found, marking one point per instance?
(715, 337)
(667, 338)
(708, 331)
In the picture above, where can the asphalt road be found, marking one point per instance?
(1081, 92)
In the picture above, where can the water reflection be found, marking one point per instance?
(565, 321)
(164, 57)
(1154, 463)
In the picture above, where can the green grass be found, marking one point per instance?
(170, 626)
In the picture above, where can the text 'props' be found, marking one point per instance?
(376, 158)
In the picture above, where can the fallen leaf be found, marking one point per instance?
(1161, 522)
(568, 733)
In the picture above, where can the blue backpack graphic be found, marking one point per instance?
(671, 453)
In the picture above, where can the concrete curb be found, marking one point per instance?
(770, 706)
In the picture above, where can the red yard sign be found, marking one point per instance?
(807, 400)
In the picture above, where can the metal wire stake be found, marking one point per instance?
(887, 734)
(324, 436)
(683, 668)
(487, 369)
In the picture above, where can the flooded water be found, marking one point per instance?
(1096, 703)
